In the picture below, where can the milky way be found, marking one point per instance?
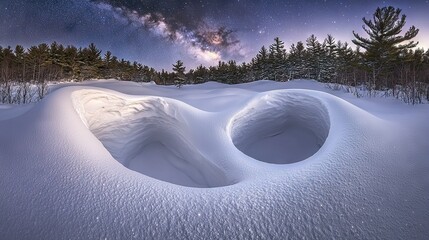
(182, 24)
(157, 33)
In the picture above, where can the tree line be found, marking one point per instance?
(21, 69)
(385, 61)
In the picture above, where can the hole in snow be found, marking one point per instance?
(149, 136)
(281, 128)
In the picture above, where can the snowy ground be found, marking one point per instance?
(264, 160)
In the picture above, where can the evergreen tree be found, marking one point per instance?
(92, 63)
(71, 63)
(297, 61)
(107, 64)
(179, 71)
(346, 62)
(39, 60)
(20, 60)
(201, 74)
(262, 64)
(221, 72)
(244, 73)
(232, 76)
(315, 58)
(329, 59)
(7, 58)
(384, 43)
(56, 61)
(277, 60)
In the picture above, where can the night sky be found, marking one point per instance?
(157, 33)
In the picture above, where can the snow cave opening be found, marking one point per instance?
(148, 136)
(281, 129)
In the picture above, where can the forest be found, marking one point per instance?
(385, 62)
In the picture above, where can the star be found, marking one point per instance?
(122, 26)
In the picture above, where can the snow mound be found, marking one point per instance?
(149, 135)
(281, 127)
(90, 162)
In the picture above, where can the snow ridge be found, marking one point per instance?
(205, 161)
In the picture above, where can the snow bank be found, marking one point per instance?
(118, 160)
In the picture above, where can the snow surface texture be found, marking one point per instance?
(118, 160)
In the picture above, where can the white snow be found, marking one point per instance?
(136, 131)
(263, 160)
(281, 127)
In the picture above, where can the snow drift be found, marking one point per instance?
(116, 160)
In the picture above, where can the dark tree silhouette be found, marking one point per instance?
(179, 70)
(384, 43)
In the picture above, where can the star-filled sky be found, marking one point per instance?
(157, 33)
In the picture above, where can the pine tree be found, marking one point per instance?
(346, 62)
(71, 63)
(329, 59)
(7, 58)
(244, 73)
(277, 60)
(384, 43)
(200, 74)
(221, 72)
(57, 61)
(39, 60)
(107, 64)
(92, 63)
(232, 76)
(179, 70)
(262, 64)
(315, 53)
(20, 61)
(297, 61)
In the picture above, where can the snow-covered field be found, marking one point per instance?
(263, 160)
